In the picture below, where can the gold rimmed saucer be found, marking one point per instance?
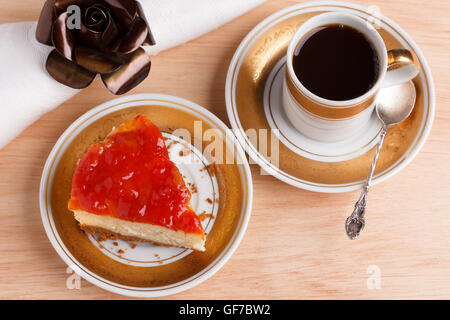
(138, 271)
(247, 77)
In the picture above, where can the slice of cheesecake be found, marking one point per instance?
(127, 187)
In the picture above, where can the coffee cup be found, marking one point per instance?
(328, 119)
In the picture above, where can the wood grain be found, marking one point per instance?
(295, 246)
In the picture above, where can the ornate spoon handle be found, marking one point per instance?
(355, 222)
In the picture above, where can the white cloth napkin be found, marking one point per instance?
(27, 91)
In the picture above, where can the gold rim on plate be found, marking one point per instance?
(73, 245)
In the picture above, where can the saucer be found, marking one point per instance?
(136, 269)
(257, 68)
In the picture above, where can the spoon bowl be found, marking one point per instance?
(395, 103)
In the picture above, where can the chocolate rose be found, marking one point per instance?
(106, 40)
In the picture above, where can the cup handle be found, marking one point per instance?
(401, 67)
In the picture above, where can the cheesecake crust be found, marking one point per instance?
(113, 228)
(103, 235)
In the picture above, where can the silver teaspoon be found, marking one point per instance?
(394, 104)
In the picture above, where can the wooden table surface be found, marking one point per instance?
(295, 246)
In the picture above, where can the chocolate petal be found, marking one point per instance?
(89, 38)
(62, 37)
(98, 40)
(123, 11)
(44, 26)
(97, 61)
(110, 33)
(62, 5)
(68, 72)
(134, 38)
(96, 17)
(149, 40)
(130, 74)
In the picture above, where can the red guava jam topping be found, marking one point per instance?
(129, 176)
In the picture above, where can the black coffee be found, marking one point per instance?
(336, 62)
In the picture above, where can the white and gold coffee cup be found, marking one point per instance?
(330, 120)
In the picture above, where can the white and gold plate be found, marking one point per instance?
(224, 194)
(253, 98)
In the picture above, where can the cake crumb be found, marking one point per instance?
(185, 152)
(120, 251)
(171, 143)
(209, 201)
(102, 237)
(115, 243)
(202, 216)
(211, 169)
(133, 245)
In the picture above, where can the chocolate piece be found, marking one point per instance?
(135, 37)
(68, 72)
(108, 42)
(62, 37)
(45, 24)
(130, 74)
(97, 61)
